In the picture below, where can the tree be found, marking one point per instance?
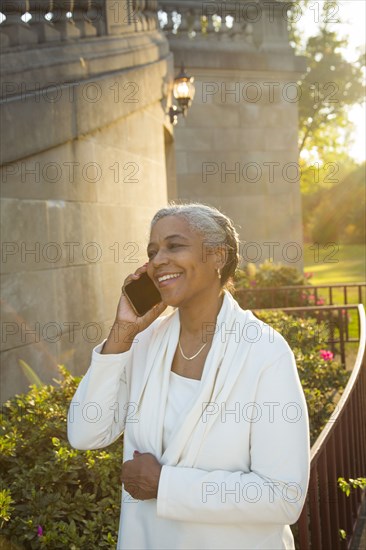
(331, 85)
(338, 214)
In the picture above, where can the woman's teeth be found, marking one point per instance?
(166, 277)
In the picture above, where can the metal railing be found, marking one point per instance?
(339, 451)
(302, 295)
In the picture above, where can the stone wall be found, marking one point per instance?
(241, 156)
(84, 167)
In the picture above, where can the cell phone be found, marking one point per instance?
(142, 294)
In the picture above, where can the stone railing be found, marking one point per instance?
(28, 23)
(257, 24)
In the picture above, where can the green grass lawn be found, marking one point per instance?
(343, 264)
(335, 264)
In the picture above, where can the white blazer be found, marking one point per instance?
(236, 470)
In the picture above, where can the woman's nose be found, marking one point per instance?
(159, 258)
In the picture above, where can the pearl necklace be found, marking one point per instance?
(193, 356)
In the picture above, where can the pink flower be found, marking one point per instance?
(308, 275)
(326, 354)
(320, 302)
(39, 531)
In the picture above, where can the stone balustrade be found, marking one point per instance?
(27, 23)
(257, 24)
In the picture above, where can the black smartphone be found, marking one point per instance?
(142, 294)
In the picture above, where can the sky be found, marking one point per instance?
(349, 22)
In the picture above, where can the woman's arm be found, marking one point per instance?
(274, 489)
(97, 412)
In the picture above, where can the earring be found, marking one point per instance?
(218, 273)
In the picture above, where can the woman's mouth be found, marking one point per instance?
(169, 279)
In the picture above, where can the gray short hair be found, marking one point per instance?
(213, 225)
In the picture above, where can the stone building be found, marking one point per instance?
(88, 154)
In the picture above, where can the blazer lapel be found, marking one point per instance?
(158, 347)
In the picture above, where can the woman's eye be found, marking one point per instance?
(172, 245)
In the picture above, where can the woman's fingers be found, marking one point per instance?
(136, 275)
(154, 312)
(141, 269)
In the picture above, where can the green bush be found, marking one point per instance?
(271, 275)
(55, 496)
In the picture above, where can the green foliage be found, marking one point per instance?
(343, 534)
(5, 506)
(318, 173)
(338, 215)
(29, 373)
(56, 497)
(346, 486)
(330, 85)
(321, 379)
(271, 275)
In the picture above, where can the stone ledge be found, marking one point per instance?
(24, 71)
(79, 108)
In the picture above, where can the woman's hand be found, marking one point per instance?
(127, 324)
(141, 475)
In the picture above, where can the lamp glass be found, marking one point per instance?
(183, 89)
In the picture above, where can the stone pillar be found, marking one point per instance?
(238, 147)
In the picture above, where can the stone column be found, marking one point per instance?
(237, 149)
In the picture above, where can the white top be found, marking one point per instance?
(181, 391)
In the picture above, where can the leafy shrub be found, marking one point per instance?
(346, 487)
(55, 496)
(271, 275)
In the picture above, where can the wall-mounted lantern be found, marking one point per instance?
(183, 91)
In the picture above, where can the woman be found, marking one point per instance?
(216, 435)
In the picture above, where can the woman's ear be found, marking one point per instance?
(221, 253)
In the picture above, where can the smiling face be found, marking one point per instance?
(180, 263)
